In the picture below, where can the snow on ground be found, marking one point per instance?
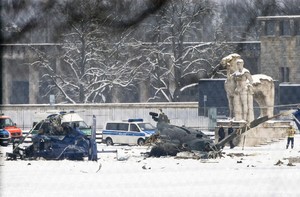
(252, 174)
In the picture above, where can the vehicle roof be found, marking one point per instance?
(4, 131)
(71, 117)
(130, 120)
(38, 116)
(1, 116)
(66, 117)
(124, 122)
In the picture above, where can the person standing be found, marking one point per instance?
(290, 136)
(162, 117)
(230, 131)
(221, 134)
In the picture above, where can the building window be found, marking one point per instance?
(270, 28)
(297, 27)
(19, 92)
(285, 28)
(285, 74)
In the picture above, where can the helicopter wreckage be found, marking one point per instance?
(171, 140)
(56, 141)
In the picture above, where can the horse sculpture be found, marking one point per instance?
(262, 87)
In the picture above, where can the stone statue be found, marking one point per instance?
(260, 87)
(243, 93)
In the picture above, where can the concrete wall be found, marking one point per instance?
(179, 113)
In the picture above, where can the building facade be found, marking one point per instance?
(20, 77)
(280, 47)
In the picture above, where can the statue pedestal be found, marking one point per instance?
(267, 132)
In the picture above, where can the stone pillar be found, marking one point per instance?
(6, 81)
(263, 28)
(144, 91)
(277, 28)
(33, 84)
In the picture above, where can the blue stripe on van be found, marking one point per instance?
(149, 132)
(127, 133)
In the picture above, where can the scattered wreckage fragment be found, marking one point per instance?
(57, 141)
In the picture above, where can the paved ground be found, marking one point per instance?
(269, 170)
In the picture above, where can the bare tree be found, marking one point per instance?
(90, 65)
(176, 57)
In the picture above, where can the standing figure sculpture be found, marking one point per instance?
(243, 94)
(261, 89)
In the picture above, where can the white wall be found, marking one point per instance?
(179, 113)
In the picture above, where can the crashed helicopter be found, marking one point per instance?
(170, 139)
(57, 140)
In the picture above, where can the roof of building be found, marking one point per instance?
(278, 17)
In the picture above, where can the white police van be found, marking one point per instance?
(132, 132)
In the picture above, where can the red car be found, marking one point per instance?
(7, 124)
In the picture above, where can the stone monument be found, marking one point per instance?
(242, 88)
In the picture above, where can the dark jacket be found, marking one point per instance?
(221, 133)
(230, 130)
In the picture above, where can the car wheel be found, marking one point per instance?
(141, 142)
(109, 142)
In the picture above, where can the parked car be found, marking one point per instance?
(7, 124)
(4, 137)
(132, 131)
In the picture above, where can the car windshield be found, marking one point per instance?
(80, 124)
(4, 122)
(146, 126)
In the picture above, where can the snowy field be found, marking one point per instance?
(249, 172)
